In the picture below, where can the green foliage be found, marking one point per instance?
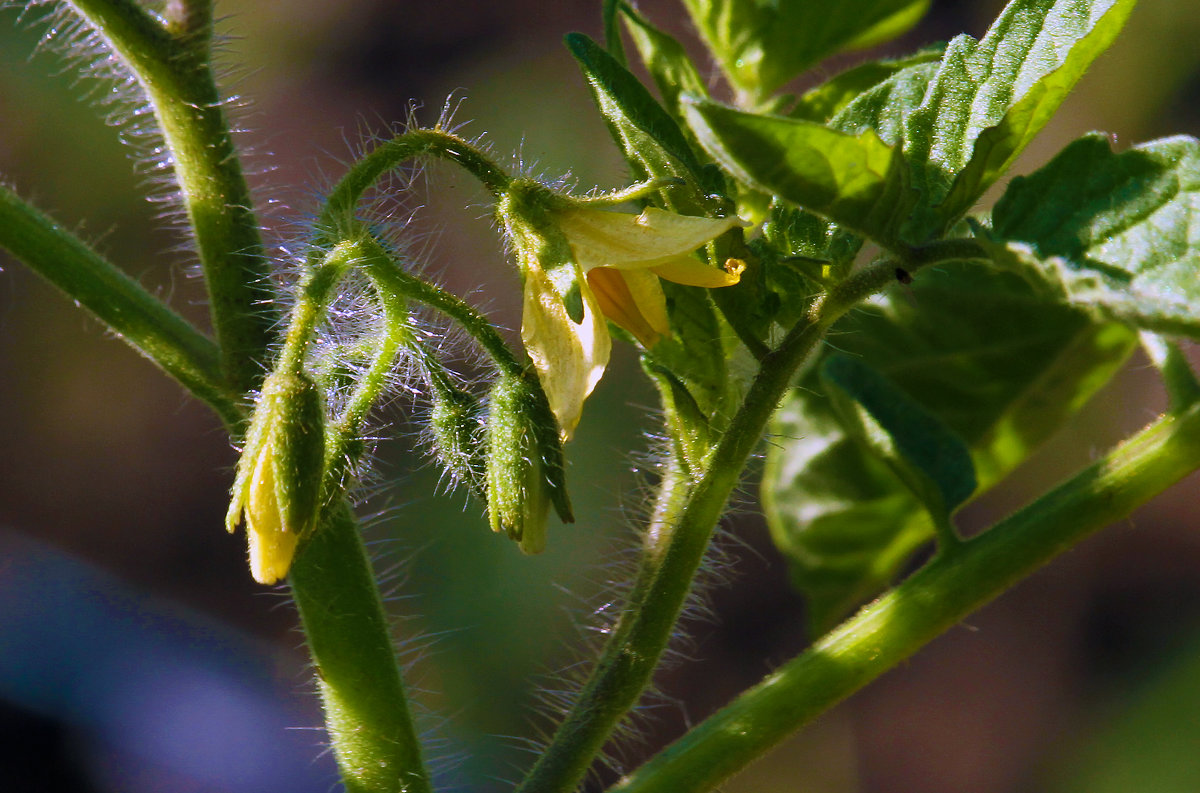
(858, 181)
(1115, 233)
(981, 351)
(921, 450)
(903, 355)
(760, 46)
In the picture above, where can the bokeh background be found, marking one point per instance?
(137, 655)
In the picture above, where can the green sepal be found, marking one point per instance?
(280, 475)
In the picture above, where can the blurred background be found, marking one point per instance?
(137, 655)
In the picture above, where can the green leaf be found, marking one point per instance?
(990, 98)
(667, 62)
(839, 515)
(650, 139)
(687, 424)
(993, 358)
(826, 100)
(762, 45)
(1115, 233)
(609, 12)
(925, 454)
(699, 352)
(858, 181)
(884, 108)
(801, 253)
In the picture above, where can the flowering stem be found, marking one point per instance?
(117, 300)
(931, 601)
(366, 708)
(172, 66)
(676, 546)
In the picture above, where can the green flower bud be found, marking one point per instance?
(455, 423)
(524, 463)
(278, 483)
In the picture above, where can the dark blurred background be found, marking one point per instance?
(137, 655)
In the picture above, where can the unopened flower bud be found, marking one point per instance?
(278, 483)
(455, 428)
(524, 463)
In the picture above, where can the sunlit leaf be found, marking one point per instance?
(995, 359)
(649, 138)
(990, 99)
(857, 180)
(826, 100)
(665, 59)
(1116, 233)
(760, 46)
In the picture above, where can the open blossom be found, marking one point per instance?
(583, 265)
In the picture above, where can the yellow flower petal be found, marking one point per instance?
(693, 272)
(271, 545)
(569, 358)
(600, 238)
(634, 300)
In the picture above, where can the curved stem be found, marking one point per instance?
(120, 302)
(675, 549)
(337, 218)
(175, 73)
(366, 709)
(924, 606)
(1183, 388)
(392, 278)
(343, 442)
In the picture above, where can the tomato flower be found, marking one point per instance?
(583, 265)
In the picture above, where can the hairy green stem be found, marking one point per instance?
(338, 220)
(675, 550)
(366, 709)
(924, 606)
(176, 75)
(344, 446)
(144, 322)
(389, 276)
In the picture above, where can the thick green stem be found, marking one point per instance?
(117, 300)
(366, 710)
(923, 607)
(175, 73)
(675, 550)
